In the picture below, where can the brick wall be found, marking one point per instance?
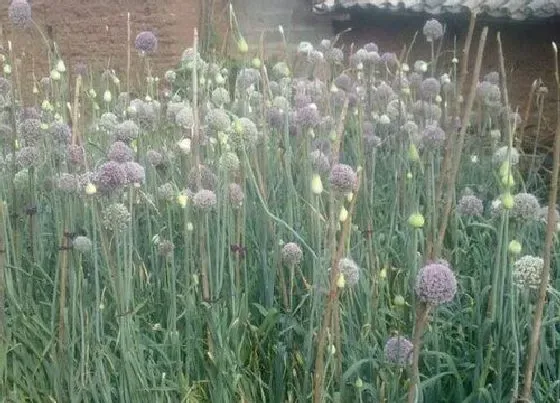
(95, 31)
(295, 16)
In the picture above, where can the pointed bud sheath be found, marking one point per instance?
(343, 215)
(507, 201)
(55, 75)
(413, 153)
(182, 200)
(340, 281)
(514, 247)
(416, 220)
(316, 184)
(91, 189)
(242, 46)
(60, 67)
(107, 96)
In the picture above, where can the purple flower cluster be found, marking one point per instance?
(398, 351)
(19, 13)
(146, 42)
(343, 178)
(291, 254)
(470, 205)
(436, 284)
(433, 30)
(120, 152)
(110, 177)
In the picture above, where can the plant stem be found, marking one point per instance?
(422, 312)
(448, 202)
(550, 231)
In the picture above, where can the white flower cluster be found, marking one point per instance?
(527, 271)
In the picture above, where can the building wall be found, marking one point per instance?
(295, 16)
(95, 31)
(527, 50)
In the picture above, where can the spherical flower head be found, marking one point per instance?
(61, 132)
(527, 272)
(471, 206)
(491, 96)
(220, 96)
(501, 155)
(67, 183)
(320, 163)
(291, 254)
(357, 59)
(218, 120)
(19, 13)
(371, 47)
(229, 162)
(28, 157)
(325, 44)
(204, 200)
(76, 155)
(170, 76)
(208, 179)
(236, 195)
(82, 244)
(109, 177)
(184, 117)
(398, 351)
(343, 82)
(526, 207)
(146, 42)
(316, 56)
(493, 78)
(342, 178)
(166, 192)
(247, 77)
(384, 93)
(244, 134)
(154, 158)
(334, 55)
(280, 70)
(108, 122)
(430, 88)
(350, 270)
(165, 248)
(173, 107)
(436, 284)
(126, 131)
(390, 58)
(145, 112)
(308, 116)
(116, 217)
(120, 152)
(433, 30)
(433, 136)
(135, 173)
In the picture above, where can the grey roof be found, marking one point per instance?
(511, 9)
